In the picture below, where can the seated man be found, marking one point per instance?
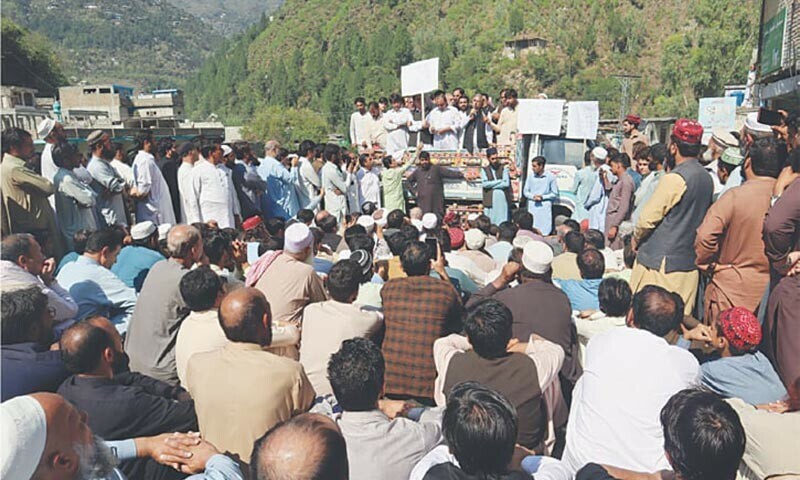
(582, 293)
(474, 241)
(308, 446)
(629, 375)
(500, 250)
(22, 264)
(28, 364)
(739, 370)
(613, 260)
(417, 310)
(92, 284)
(46, 437)
(614, 297)
(377, 446)
(267, 388)
(703, 439)
(565, 265)
(328, 224)
(120, 404)
(327, 324)
(202, 290)
(135, 261)
(525, 373)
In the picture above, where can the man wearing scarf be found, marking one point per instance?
(496, 188)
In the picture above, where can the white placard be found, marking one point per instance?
(420, 77)
(716, 112)
(582, 120)
(540, 116)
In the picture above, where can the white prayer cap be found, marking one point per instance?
(417, 223)
(23, 428)
(521, 240)
(475, 239)
(752, 124)
(472, 217)
(367, 222)
(45, 127)
(297, 238)
(537, 257)
(142, 230)
(382, 213)
(600, 153)
(724, 138)
(163, 230)
(429, 221)
(226, 150)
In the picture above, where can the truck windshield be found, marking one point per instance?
(561, 151)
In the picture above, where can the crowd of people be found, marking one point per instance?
(204, 312)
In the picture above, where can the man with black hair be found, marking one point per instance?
(597, 240)
(329, 225)
(729, 246)
(74, 200)
(359, 125)
(28, 365)
(392, 183)
(541, 190)
(614, 297)
(506, 126)
(152, 193)
(306, 216)
(657, 156)
(24, 194)
(326, 324)
(248, 184)
(161, 308)
(202, 290)
(380, 442)
(489, 356)
(190, 208)
(505, 238)
(168, 162)
(308, 446)
(106, 182)
(524, 222)
(620, 199)
(565, 265)
(428, 180)
(22, 264)
(309, 187)
(92, 284)
(399, 122)
(120, 404)
(417, 310)
(582, 293)
(220, 249)
(368, 181)
(212, 188)
(665, 233)
(629, 374)
(269, 389)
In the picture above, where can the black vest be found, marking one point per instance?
(469, 132)
(673, 238)
(516, 377)
(492, 174)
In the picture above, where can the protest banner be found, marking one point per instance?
(541, 117)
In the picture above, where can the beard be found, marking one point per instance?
(120, 363)
(108, 154)
(96, 460)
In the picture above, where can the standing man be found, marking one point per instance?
(280, 200)
(369, 181)
(226, 164)
(360, 125)
(630, 127)
(429, 183)
(751, 131)
(665, 233)
(478, 133)
(398, 122)
(541, 190)
(496, 188)
(52, 132)
(152, 193)
(506, 127)
(190, 208)
(620, 200)
(248, 185)
(417, 135)
(25, 193)
(212, 189)
(657, 156)
(335, 183)
(584, 181)
(596, 201)
(720, 140)
(168, 162)
(309, 186)
(392, 180)
(377, 131)
(75, 201)
(106, 182)
(443, 123)
(729, 246)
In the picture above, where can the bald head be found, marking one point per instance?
(183, 242)
(92, 347)
(656, 310)
(245, 317)
(307, 447)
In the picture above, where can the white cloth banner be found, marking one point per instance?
(582, 120)
(420, 77)
(541, 117)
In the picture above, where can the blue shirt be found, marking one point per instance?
(545, 186)
(636, 176)
(97, 291)
(133, 263)
(596, 205)
(68, 258)
(582, 294)
(280, 200)
(322, 265)
(750, 377)
(29, 368)
(500, 251)
(583, 182)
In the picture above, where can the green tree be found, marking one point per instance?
(287, 125)
(28, 60)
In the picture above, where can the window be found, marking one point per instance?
(105, 90)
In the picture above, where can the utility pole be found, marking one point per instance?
(625, 80)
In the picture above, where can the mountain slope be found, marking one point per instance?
(321, 54)
(228, 17)
(27, 60)
(143, 43)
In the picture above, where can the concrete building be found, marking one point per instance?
(18, 108)
(523, 45)
(160, 104)
(84, 103)
(776, 80)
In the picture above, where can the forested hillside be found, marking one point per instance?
(28, 60)
(143, 43)
(228, 17)
(319, 54)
